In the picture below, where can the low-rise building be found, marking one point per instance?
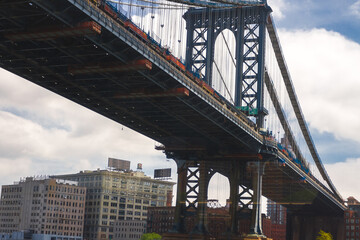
(129, 229)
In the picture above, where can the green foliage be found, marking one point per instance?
(324, 236)
(150, 236)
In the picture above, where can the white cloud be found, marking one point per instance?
(323, 67)
(355, 9)
(278, 7)
(345, 176)
(12, 169)
(43, 133)
(219, 188)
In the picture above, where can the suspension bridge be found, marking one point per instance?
(205, 79)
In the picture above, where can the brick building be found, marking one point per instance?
(43, 206)
(129, 229)
(352, 216)
(277, 214)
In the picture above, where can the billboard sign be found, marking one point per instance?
(162, 173)
(119, 164)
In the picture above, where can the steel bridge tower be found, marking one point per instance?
(203, 27)
(248, 25)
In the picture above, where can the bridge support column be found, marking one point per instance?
(234, 198)
(179, 220)
(201, 217)
(192, 193)
(256, 226)
(307, 226)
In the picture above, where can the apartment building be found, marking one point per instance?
(114, 195)
(43, 206)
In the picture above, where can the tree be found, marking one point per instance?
(150, 236)
(324, 236)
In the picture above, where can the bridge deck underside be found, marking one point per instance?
(178, 122)
(187, 124)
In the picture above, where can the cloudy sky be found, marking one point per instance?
(42, 133)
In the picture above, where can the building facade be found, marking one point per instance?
(129, 229)
(114, 195)
(352, 216)
(277, 214)
(160, 219)
(43, 206)
(27, 235)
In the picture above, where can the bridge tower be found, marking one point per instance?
(203, 27)
(248, 25)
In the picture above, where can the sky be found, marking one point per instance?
(43, 133)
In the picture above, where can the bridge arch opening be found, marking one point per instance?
(218, 189)
(224, 65)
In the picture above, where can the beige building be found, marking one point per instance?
(43, 206)
(114, 195)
